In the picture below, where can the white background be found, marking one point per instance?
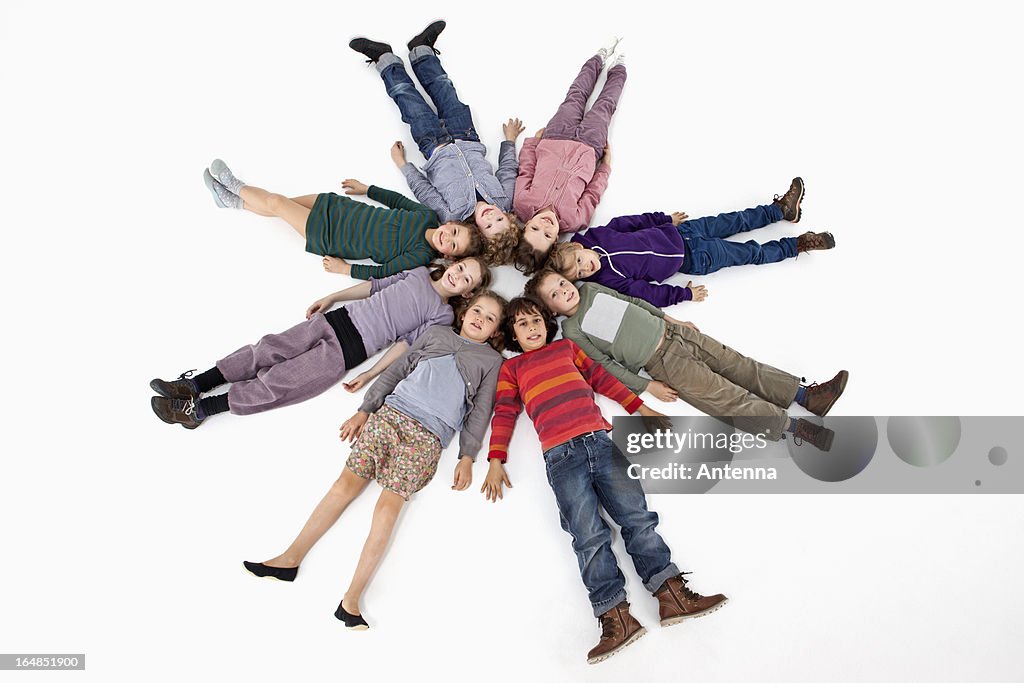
(123, 537)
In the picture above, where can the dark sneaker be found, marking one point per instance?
(183, 387)
(266, 572)
(819, 437)
(352, 621)
(790, 202)
(676, 602)
(819, 398)
(427, 36)
(618, 630)
(813, 241)
(181, 411)
(370, 48)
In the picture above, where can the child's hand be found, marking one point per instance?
(354, 186)
(606, 158)
(678, 217)
(540, 133)
(356, 384)
(662, 391)
(353, 426)
(397, 156)
(463, 474)
(333, 264)
(653, 420)
(319, 306)
(697, 292)
(496, 476)
(513, 129)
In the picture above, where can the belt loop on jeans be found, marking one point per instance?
(581, 437)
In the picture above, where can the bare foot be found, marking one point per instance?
(282, 562)
(350, 606)
(333, 264)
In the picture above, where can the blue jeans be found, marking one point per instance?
(453, 119)
(708, 251)
(588, 472)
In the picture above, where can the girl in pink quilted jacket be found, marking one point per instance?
(563, 169)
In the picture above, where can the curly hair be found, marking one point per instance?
(501, 250)
(532, 286)
(497, 342)
(525, 305)
(562, 259)
(476, 239)
(527, 259)
(437, 268)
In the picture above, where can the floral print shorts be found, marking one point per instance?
(397, 451)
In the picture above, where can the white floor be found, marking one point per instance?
(123, 537)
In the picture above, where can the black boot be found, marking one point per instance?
(427, 36)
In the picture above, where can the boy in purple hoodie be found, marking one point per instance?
(633, 252)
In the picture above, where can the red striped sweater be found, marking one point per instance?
(557, 384)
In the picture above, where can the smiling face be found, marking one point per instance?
(573, 261)
(530, 330)
(461, 278)
(491, 220)
(559, 294)
(451, 239)
(541, 231)
(481, 319)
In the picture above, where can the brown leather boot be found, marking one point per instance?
(676, 602)
(814, 241)
(180, 411)
(618, 630)
(819, 436)
(790, 202)
(820, 398)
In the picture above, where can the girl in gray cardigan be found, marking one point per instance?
(444, 384)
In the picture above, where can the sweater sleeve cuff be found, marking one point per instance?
(632, 404)
(687, 294)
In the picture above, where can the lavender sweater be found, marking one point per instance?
(636, 250)
(400, 306)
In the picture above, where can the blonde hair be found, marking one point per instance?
(562, 259)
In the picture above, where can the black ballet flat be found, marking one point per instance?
(352, 621)
(264, 572)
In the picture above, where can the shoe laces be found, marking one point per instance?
(608, 625)
(186, 405)
(187, 374)
(690, 594)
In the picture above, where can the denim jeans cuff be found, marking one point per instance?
(387, 60)
(419, 52)
(605, 605)
(659, 578)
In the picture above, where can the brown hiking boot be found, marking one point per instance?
(618, 630)
(790, 202)
(180, 411)
(814, 241)
(820, 437)
(676, 602)
(183, 387)
(819, 398)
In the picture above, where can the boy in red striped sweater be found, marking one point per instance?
(586, 471)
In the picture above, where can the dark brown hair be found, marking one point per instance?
(476, 239)
(525, 305)
(497, 342)
(527, 259)
(532, 287)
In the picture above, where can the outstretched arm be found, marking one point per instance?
(360, 291)
(396, 351)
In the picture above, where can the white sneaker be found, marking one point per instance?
(605, 52)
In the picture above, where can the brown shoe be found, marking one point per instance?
(618, 630)
(819, 398)
(183, 387)
(790, 202)
(814, 241)
(820, 437)
(676, 602)
(180, 411)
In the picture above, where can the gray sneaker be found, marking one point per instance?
(222, 196)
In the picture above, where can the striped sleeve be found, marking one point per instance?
(394, 200)
(603, 382)
(507, 405)
(404, 261)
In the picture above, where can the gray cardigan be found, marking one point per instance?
(478, 364)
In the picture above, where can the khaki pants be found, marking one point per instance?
(721, 382)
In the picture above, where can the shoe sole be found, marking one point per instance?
(208, 181)
(696, 615)
(152, 404)
(844, 377)
(635, 637)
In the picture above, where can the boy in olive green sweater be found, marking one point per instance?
(625, 334)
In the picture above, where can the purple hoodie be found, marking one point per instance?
(636, 250)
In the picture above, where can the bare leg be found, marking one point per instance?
(389, 505)
(344, 491)
(265, 203)
(306, 200)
